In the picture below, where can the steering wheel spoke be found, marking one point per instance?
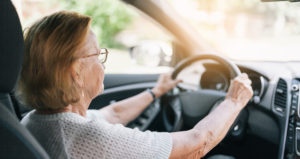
(172, 113)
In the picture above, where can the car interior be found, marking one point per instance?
(269, 127)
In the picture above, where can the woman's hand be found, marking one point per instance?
(240, 90)
(164, 84)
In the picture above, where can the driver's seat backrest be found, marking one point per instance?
(15, 140)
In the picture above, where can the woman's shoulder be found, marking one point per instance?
(94, 114)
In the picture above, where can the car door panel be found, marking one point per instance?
(122, 86)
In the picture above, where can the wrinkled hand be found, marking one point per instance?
(164, 84)
(240, 90)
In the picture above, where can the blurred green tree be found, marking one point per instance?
(109, 18)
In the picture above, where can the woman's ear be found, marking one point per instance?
(76, 73)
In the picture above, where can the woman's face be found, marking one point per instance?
(92, 70)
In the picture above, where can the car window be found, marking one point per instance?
(136, 44)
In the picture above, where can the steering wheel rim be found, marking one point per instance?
(234, 70)
(177, 122)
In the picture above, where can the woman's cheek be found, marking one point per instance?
(100, 79)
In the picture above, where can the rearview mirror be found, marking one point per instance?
(280, 0)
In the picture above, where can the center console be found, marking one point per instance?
(292, 144)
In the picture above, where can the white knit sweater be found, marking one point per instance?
(69, 135)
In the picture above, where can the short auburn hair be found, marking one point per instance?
(51, 47)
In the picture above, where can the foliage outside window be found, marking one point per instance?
(109, 18)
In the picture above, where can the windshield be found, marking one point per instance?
(246, 29)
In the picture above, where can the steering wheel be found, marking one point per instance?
(192, 106)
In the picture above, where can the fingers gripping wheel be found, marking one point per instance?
(176, 106)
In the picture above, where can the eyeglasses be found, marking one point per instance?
(102, 55)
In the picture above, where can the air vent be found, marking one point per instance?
(280, 96)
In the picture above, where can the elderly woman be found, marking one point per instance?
(63, 71)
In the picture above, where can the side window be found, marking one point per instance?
(136, 44)
(146, 48)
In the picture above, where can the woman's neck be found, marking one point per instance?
(78, 108)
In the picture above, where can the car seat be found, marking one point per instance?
(15, 140)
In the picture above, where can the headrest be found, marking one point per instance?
(11, 46)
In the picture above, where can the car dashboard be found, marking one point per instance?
(281, 100)
(274, 110)
(276, 88)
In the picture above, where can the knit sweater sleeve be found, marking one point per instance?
(104, 140)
